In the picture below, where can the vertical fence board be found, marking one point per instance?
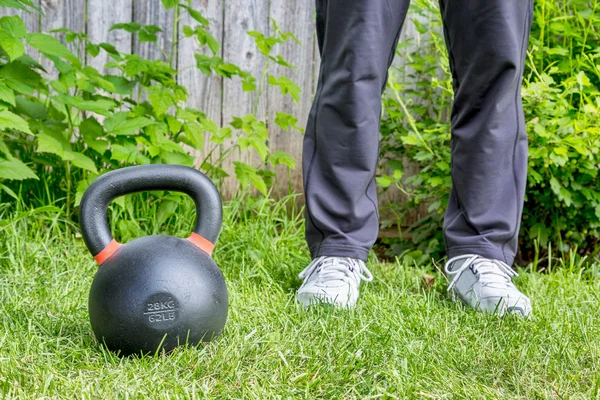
(100, 19)
(152, 12)
(205, 93)
(295, 17)
(68, 14)
(239, 48)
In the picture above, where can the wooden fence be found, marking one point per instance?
(221, 99)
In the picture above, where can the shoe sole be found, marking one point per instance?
(308, 300)
(512, 310)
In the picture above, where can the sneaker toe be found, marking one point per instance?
(513, 302)
(315, 295)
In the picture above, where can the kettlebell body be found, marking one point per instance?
(155, 292)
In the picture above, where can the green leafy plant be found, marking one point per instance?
(71, 126)
(416, 133)
(562, 106)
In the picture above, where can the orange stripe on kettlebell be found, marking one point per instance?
(108, 251)
(202, 242)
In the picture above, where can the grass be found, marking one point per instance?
(405, 339)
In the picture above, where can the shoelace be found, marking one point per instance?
(337, 268)
(492, 273)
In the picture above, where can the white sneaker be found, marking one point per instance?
(332, 280)
(486, 285)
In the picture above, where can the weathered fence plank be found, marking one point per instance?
(239, 48)
(295, 17)
(68, 14)
(100, 20)
(152, 12)
(63, 13)
(205, 93)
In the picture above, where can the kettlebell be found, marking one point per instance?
(154, 292)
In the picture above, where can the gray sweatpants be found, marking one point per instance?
(487, 41)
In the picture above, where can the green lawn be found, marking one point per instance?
(404, 340)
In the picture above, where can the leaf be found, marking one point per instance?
(188, 31)
(287, 122)
(147, 37)
(280, 157)
(19, 4)
(152, 29)
(8, 120)
(539, 232)
(7, 95)
(9, 191)
(20, 77)
(219, 136)
(13, 47)
(255, 142)
(92, 49)
(249, 83)
(50, 46)
(248, 175)
(174, 124)
(120, 84)
(384, 181)
(165, 210)
(197, 16)
(49, 144)
(555, 185)
(161, 99)
(91, 130)
(556, 51)
(206, 38)
(15, 169)
(110, 49)
(287, 86)
(168, 4)
(130, 27)
(135, 65)
(195, 134)
(127, 153)
(119, 124)
(179, 159)
(281, 61)
(583, 80)
(82, 161)
(561, 151)
(428, 281)
(32, 109)
(4, 149)
(14, 26)
(102, 106)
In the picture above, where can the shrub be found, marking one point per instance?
(69, 125)
(562, 102)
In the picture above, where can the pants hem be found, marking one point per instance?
(340, 251)
(483, 251)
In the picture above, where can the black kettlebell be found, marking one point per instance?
(156, 291)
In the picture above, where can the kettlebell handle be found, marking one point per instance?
(96, 199)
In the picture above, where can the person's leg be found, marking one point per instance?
(487, 42)
(357, 41)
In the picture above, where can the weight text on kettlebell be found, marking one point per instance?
(161, 311)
